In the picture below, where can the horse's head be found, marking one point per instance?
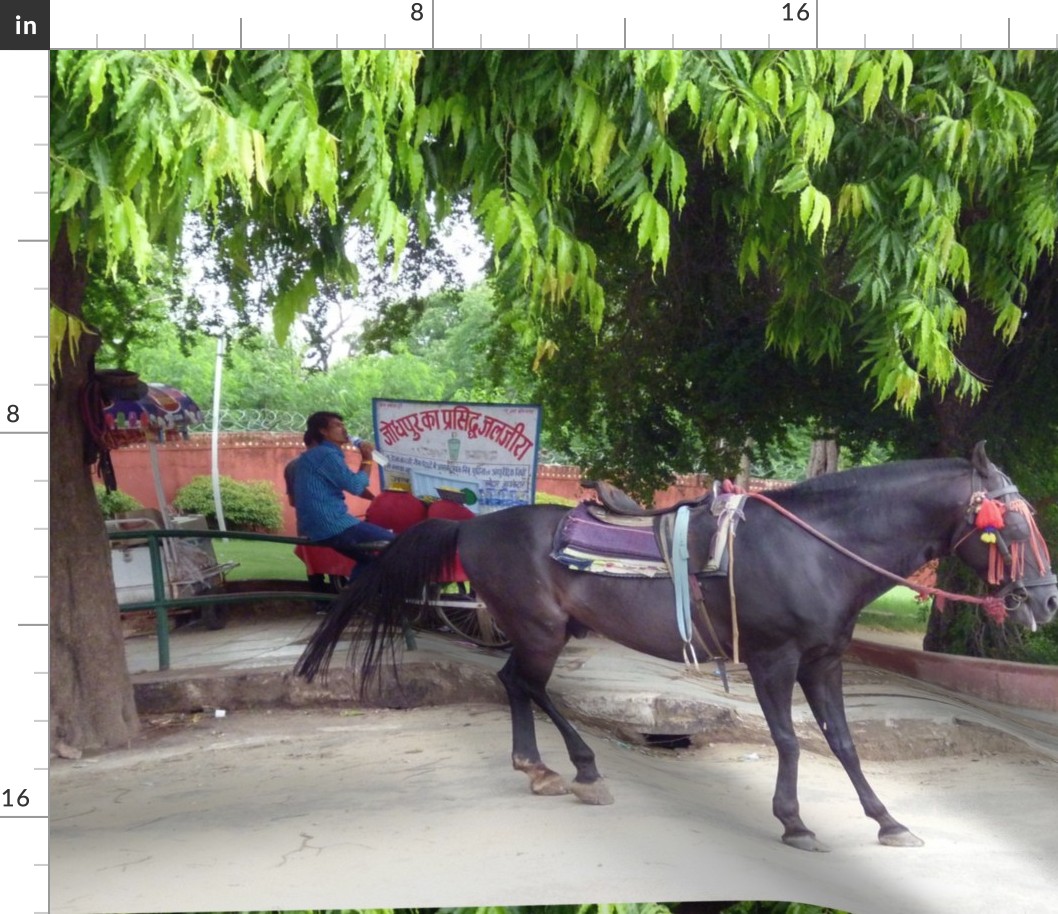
(1002, 543)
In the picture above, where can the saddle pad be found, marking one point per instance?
(585, 543)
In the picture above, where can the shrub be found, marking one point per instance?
(114, 503)
(251, 506)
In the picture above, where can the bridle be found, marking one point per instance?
(985, 516)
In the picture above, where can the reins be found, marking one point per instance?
(993, 605)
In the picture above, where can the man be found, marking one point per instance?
(291, 468)
(320, 482)
(318, 582)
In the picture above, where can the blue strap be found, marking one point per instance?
(680, 576)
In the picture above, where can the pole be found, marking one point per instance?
(215, 444)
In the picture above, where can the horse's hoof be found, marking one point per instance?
(805, 841)
(549, 785)
(594, 793)
(899, 838)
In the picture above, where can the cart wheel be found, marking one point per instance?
(474, 622)
(215, 616)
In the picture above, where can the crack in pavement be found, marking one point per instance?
(305, 839)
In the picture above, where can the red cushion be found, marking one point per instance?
(450, 510)
(324, 560)
(396, 511)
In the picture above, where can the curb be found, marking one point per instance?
(1020, 685)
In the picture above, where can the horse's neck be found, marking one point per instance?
(895, 521)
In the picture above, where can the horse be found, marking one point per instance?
(809, 558)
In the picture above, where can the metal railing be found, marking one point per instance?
(161, 604)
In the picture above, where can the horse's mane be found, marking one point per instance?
(882, 475)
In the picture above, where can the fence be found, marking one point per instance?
(160, 603)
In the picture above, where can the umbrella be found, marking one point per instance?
(160, 410)
(135, 412)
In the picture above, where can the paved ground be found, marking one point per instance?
(339, 807)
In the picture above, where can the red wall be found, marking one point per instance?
(245, 456)
(249, 456)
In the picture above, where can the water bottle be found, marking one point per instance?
(379, 457)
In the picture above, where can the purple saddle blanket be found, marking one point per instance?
(580, 531)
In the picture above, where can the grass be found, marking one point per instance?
(896, 610)
(260, 560)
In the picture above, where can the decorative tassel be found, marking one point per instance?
(995, 565)
(989, 519)
(1036, 540)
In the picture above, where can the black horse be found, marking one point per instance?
(807, 562)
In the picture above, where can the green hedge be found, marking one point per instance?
(252, 506)
(114, 503)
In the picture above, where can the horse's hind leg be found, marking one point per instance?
(588, 786)
(821, 682)
(521, 687)
(525, 755)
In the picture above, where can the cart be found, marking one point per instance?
(447, 605)
(189, 565)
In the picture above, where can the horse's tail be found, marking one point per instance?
(378, 600)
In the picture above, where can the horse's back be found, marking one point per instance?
(506, 554)
(524, 532)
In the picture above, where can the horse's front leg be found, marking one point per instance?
(822, 685)
(773, 681)
(525, 756)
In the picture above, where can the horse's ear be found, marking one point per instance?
(980, 460)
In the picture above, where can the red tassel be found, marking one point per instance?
(995, 565)
(990, 514)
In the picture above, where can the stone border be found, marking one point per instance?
(1022, 685)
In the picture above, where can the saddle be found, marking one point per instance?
(617, 502)
(618, 536)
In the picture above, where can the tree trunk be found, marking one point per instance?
(92, 704)
(823, 458)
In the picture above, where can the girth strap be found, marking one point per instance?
(676, 552)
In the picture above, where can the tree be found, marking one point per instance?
(862, 247)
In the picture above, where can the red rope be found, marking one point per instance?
(993, 606)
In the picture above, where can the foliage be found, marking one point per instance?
(129, 311)
(261, 374)
(719, 907)
(114, 503)
(251, 506)
(333, 137)
(874, 204)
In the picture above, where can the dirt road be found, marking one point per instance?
(325, 809)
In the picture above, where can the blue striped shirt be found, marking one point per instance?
(320, 480)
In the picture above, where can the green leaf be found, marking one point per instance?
(73, 192)
(872, 92)
(292, 302)
(97, 80)
(601, 147)
(63, 328)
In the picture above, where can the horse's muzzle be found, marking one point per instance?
(1029, 608)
